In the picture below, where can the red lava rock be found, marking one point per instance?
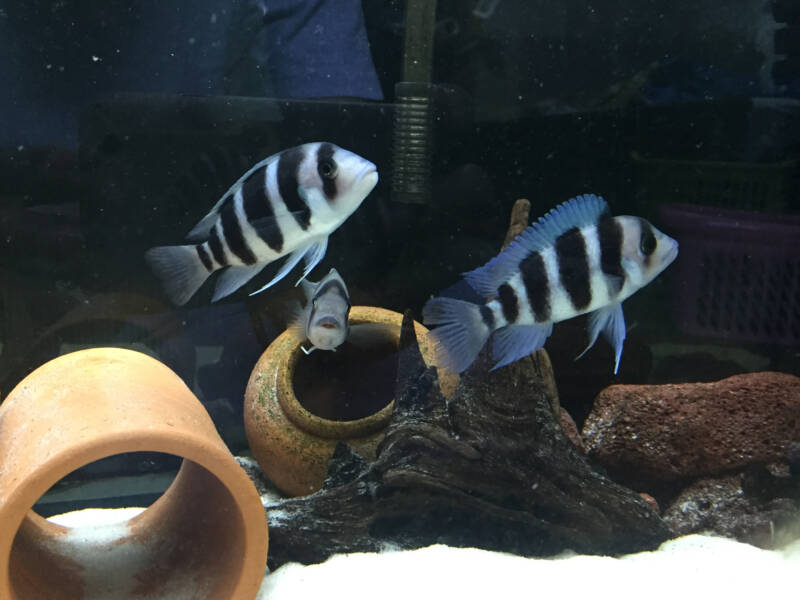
(728, 507)
(644, 434)
(570, 429)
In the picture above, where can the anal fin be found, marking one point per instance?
(232, 278)
(516, 341)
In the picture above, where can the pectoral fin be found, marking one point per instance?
(611, 322)
(287, 266)
(314, 254)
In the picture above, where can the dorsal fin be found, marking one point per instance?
(579, 211)
(308, 288)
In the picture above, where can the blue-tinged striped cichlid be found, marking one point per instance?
(576, 259)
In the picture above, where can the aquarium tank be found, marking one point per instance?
(510, 275)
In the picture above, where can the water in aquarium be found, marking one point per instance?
(510, 275)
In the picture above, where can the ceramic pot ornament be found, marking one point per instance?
(205, 537)
(299, 406)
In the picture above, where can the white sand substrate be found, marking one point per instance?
(695, 566)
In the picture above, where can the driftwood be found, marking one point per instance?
(489, 468)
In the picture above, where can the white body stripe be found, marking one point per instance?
(525, 315)
(497, 312)
(560, 304)
(597, 279)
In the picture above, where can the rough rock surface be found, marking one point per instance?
(647, 435)
(756, 507)
(570, 429)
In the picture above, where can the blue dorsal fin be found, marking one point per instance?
(579, 211)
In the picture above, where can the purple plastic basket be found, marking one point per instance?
(737, 275)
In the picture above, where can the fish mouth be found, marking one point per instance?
(672, 253)
(328, 322)
(367, 172)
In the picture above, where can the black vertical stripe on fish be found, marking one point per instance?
(227, 201)
(509, 302)
(573, 267)
(216, 248)
(204, 257)
(609, 236)
(329, 285)
(288, 170)
(537, 286)
(259, 210)
(488, 316)
(647, 242)
(232, 230)
(325, 155)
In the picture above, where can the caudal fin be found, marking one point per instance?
(461, 331)
(179, 269)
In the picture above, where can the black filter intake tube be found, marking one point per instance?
(412, 146)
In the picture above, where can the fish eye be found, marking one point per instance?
(327, 169)
(647, 243)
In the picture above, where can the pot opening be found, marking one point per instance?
(132, 479)
(354, 381)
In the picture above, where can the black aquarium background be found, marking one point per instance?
(123, 123)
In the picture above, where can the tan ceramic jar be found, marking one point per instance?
(293, 443)
(205, 537)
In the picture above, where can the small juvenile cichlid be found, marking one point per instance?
(286, 205)
(576, 259)
(323, 320)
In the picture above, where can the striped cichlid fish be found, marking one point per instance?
(323, 320)
(286, 205)
(576, 259)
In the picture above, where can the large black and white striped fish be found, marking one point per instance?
(576, 259)
(286, 205)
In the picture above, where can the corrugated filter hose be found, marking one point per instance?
(412, 144)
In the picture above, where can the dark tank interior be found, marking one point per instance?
(124, 124)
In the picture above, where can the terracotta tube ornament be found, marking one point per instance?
(205, 537)
(292, 443)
